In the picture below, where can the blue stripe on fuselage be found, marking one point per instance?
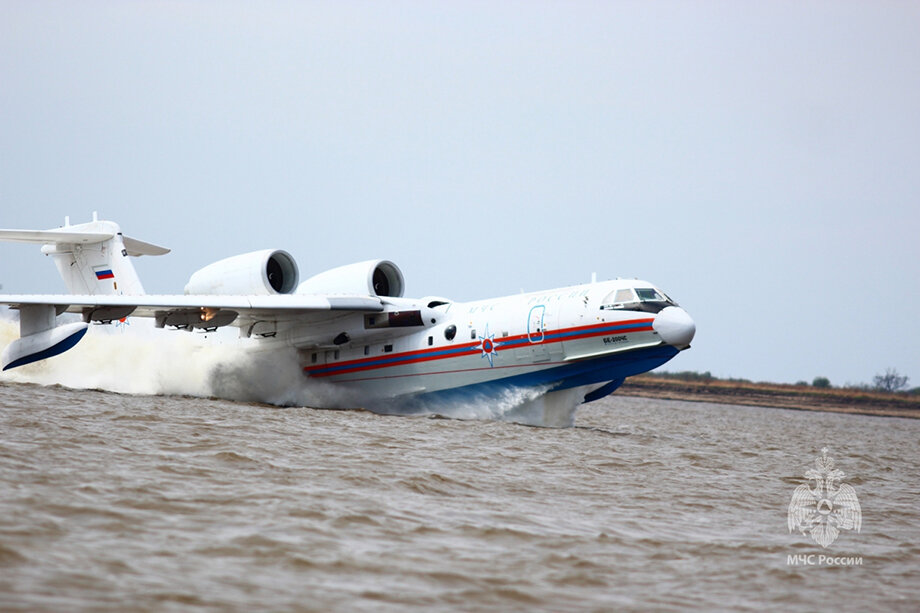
(562, 377)
(516, 342)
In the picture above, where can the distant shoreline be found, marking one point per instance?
(774, 395)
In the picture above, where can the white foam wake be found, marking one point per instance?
(533, 406)
(140, 359)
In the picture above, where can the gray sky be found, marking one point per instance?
(759, 161)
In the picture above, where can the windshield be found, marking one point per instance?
(646, 299)
(646, 294)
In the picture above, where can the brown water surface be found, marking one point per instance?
(159, 503)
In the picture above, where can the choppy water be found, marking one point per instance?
(114, 502)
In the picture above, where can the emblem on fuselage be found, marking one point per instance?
(488, 346)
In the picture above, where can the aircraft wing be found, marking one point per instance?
(146, 304)
(42, 337)
(201, 311)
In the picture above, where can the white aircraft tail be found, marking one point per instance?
(91, 257)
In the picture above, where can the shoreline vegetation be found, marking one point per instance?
(694, 387)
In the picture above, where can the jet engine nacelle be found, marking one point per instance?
(267, 272)
(372, 278)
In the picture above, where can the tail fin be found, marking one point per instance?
(91, 257)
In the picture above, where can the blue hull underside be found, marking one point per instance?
(612, 370)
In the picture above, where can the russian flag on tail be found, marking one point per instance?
(103, 272)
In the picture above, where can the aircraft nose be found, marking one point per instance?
(674, 326)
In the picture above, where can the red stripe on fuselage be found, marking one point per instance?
(445, 352)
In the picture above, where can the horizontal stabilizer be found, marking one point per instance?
(67, 236)
(137, 248)
(49, 237)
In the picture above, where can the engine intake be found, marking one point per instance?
(372, 278)
(267, 272)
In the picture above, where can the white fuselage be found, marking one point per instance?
(570, 337)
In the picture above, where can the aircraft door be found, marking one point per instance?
(535, 323)
(536, 333)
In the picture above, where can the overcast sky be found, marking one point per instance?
(759, 161)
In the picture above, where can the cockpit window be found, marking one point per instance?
(647, 294)
(646, 299)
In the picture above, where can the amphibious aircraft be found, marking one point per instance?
(353, 328)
